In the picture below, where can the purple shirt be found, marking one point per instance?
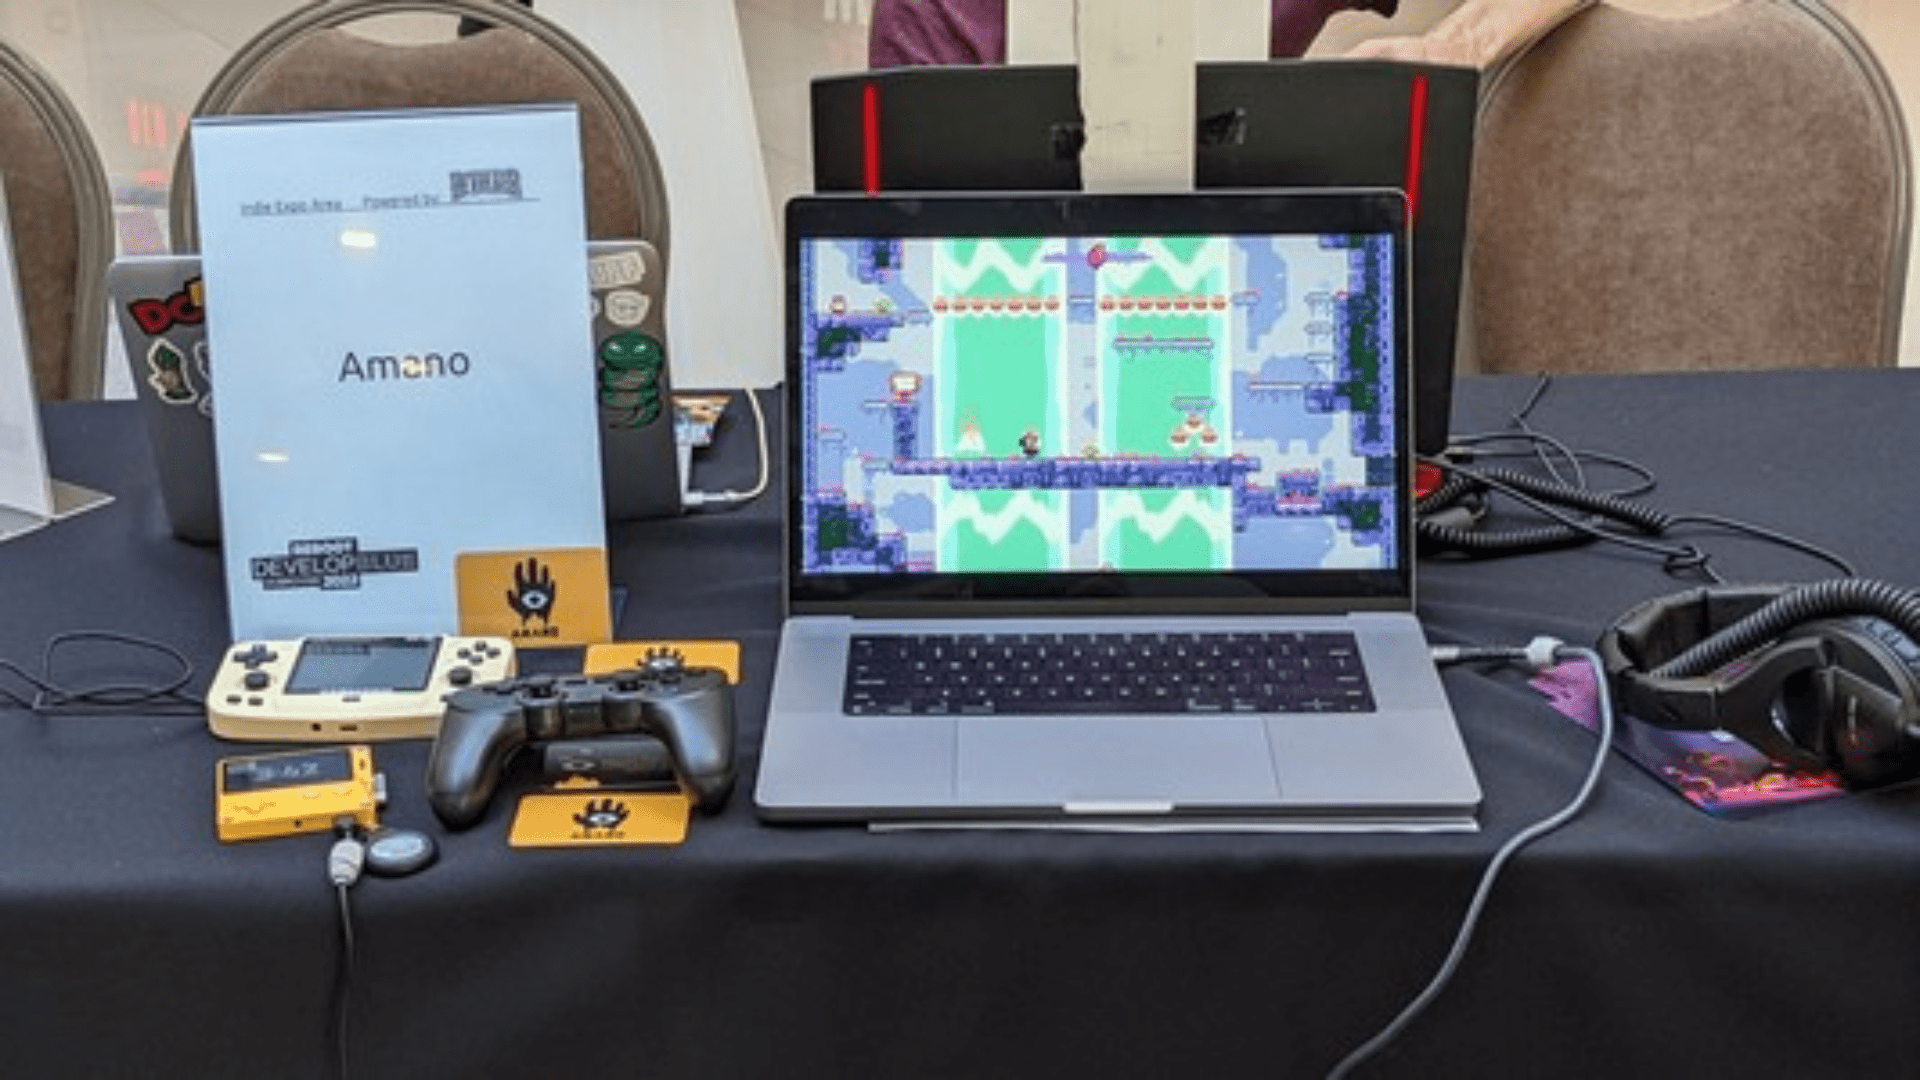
(911, 33)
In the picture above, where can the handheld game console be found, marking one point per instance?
(690, 710)
(348, 689)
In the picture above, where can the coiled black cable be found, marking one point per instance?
(1567, 530)
(1447, 522)
(1645, 518)
(1822, 600)
(1455, 488)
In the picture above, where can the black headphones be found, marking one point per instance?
(1818, 677)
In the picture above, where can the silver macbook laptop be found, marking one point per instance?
(1100, 513)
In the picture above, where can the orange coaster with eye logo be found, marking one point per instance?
(556, 596)
(721, 653)
(600, 817)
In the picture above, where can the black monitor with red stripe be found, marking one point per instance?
(1277, 123)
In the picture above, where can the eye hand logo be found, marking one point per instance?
(532, 596)
(602, 819)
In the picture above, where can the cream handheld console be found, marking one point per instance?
(347, 689)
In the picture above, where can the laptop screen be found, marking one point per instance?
(1148, 402)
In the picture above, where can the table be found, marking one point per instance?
(1647, 936)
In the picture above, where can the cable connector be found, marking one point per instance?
(349, 854)
(694, 500)
(1543, 652)
(1472, 654)
(1539, 654)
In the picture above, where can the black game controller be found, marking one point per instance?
(688, 709)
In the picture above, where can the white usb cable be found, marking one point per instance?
(697, 500)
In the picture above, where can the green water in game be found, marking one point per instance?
(1015, 376)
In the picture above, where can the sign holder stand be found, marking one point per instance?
(30, 499)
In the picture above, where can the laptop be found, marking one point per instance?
(157, 302)
(158, 308)
(1275, 123)
(1068, 441)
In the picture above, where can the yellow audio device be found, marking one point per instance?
(301, 791)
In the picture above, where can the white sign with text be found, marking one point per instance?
(405, 364)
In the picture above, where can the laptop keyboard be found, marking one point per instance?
(1056, 674)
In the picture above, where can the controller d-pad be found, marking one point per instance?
(255, 655)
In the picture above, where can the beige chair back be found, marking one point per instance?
(60, 213)
(306, 62)
(1726, 191)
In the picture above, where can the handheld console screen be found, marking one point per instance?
(335, 665)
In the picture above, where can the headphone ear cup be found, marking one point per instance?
(1861, 711)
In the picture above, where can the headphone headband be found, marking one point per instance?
(1737, 697)
(1817, 677)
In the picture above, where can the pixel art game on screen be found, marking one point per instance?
(1090, 403)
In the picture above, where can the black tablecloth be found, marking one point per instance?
(1646, 939)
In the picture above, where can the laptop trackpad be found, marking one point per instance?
(1057, 761)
